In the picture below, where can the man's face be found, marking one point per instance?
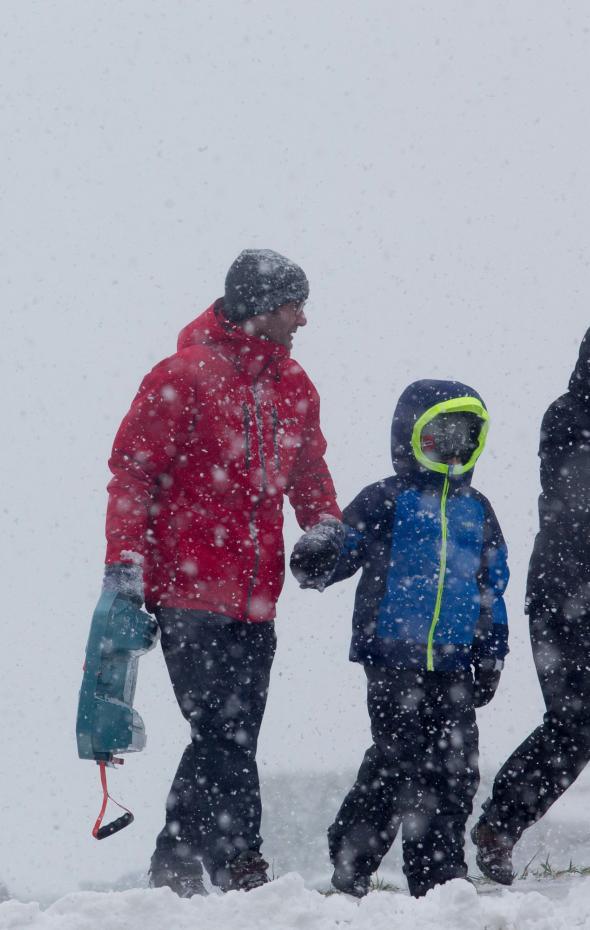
(279, 325)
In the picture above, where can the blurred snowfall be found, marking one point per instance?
(427, 164)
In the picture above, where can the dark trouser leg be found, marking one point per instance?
(551, 758)
(220, 672)
(368, 820)
(446, 780)
(422, 767)
(365, 826)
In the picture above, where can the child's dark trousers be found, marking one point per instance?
(421, 772)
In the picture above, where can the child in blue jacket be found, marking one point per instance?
(430, 628)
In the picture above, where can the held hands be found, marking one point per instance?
(316, 553)
(486, 680)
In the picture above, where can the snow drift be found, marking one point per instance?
(287, 905)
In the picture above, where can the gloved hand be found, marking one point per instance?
(125, 578)
(316, 553)
(486, 679)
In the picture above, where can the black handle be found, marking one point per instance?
(119, 824)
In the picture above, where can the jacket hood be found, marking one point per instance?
(248, 353)
(580, 380)
(417, 399)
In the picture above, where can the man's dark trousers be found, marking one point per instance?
(552, 757)
(220, 671)
(422, 771)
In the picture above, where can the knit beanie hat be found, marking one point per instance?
(260, 281)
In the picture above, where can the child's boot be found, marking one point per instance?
(494, 853)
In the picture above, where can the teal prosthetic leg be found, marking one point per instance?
(107, 724)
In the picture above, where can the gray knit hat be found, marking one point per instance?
(260, 281)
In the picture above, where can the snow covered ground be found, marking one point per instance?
(287, 904)
(547, 895)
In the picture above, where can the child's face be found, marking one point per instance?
(451, 438)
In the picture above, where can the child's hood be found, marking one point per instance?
(419, 398)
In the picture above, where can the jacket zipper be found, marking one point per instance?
(275, 440)
(441, 576)
(252, 525)
(256, 546)
(246, 414)
(260, 434)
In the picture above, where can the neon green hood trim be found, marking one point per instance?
(456, 405)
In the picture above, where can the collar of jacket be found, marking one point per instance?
(249, 354)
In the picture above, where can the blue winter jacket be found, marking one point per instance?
(433, 558)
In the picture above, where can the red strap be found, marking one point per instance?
(106, 796)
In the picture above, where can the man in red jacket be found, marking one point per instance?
(216, 436)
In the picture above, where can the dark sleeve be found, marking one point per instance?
(363, 519)
(565, 466)
(491, 633)
(564, 507)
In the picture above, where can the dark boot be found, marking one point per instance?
(245, 872)
(184, 882)
(494, 853)
(349, 882)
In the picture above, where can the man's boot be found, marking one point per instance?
(184, 879)
(494, 853)
(244, 873)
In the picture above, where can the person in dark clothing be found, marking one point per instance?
(217, 435)
(421, 771)
(429, 608)
(558, 605)
(220, 671)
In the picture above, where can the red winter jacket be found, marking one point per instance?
(215, 437)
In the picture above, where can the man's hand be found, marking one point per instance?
(486, 680)
(316, 553)
(125, 578)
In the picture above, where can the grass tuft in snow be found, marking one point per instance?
(544, 870)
